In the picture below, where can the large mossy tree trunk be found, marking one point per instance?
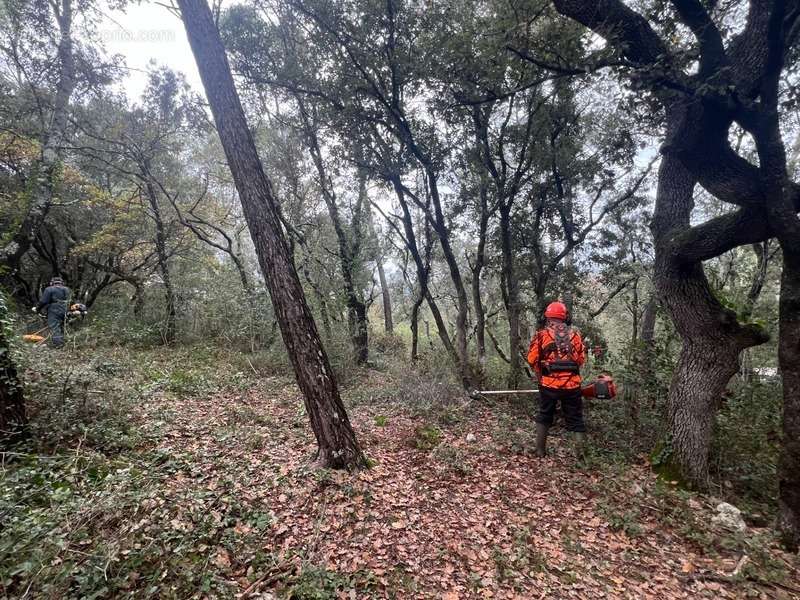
(12, 401)
(337, 444)
(711, 336)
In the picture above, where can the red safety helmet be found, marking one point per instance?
(556, 310)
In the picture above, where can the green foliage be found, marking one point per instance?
(744, 456)
(426, 437)
(626, 521)
(452, 458)
(318, 583)
(390, 344)
(9, 378)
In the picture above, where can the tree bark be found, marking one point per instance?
(711, 335)
(423, 271)
(336, 440)
(163, 262)
(783, 219)
(46, 170)
(761, 251)
(349, 241)
(515, 371)
(477, 271)
(13, 419)
(789, 360)
(388, 324)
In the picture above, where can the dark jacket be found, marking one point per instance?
(55, 299)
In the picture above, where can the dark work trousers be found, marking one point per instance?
(571, 406)
(55, 321)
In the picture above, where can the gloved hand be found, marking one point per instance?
(34, 309)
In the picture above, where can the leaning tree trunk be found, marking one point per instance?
(336, 439)
(12, 401)
(46, 169)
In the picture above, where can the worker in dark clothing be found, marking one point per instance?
(556, 354)
(55, 300)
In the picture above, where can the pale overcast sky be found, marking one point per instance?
(146, 32)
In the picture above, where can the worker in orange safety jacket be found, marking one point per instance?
(556, 354)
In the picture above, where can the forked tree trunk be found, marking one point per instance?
(423, 271)
(12, 402)
(336, 439)
(712, 337)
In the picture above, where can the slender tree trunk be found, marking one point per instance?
(246, 285)
(477, 271)
(648, 329)
(336, 439)
(138, 298)
(13, 419)
(423, 273)
(462, 302)
(415, 326)
(321, 300)
(634, 383)
(759, 278)
(163, 263)
(646, 354)
(516, 375)
(349, 241)
(46, 170)
(388, 324)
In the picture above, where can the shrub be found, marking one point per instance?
(426, 437)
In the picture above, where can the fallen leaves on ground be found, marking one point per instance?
(463, 520)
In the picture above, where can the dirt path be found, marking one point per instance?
(436, 517)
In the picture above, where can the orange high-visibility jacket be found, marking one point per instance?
(544, 339)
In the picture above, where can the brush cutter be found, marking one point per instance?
(602, 389)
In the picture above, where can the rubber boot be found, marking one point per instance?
(579, 440)
(541, 440)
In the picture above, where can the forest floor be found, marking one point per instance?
(206, 489)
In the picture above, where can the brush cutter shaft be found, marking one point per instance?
(501, 392)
